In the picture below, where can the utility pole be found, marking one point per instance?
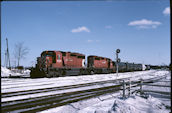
(117, 60)
(7, 56)
(5, 63)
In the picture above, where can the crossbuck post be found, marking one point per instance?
(141, 83)
(124, 87)
(129, 87)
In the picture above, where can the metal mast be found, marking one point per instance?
(117, 60)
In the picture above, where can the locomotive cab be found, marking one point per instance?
(48, 58)
(90, 62)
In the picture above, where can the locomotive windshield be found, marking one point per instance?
(49, 54)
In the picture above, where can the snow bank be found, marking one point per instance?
(6, 72)
(27, 72)
(133, 104)
(136, 104)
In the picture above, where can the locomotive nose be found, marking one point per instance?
(83, 62)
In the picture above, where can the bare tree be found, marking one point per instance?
(20, 52)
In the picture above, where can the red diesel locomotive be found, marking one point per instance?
(59, 63)
(100, 64)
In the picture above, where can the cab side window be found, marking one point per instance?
(58, 57)
(54, 58)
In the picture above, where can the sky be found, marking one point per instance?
(140, 29)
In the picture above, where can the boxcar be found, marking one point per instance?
(122, 67)
(130, 66)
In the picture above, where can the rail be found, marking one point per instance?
(128, 84)
(50, 101)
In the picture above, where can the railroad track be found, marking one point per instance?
(45, 102)
(20, 93)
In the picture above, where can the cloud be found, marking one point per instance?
(166, 11)
(108, 27)
(144, 24)
(89, 41)
(80, 29)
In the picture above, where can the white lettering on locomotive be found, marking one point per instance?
(58, 60)
(104, 62)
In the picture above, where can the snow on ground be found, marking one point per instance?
(166, 82)
(6, 72)
(10, 85)
(17, 84)
(114, 103)
(102, 104)
(132, 104)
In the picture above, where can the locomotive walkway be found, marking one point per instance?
(50, 101)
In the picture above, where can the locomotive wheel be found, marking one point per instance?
(91, 72)
(60, 73)
(63, 72)
(81, 72)
(56, 74)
